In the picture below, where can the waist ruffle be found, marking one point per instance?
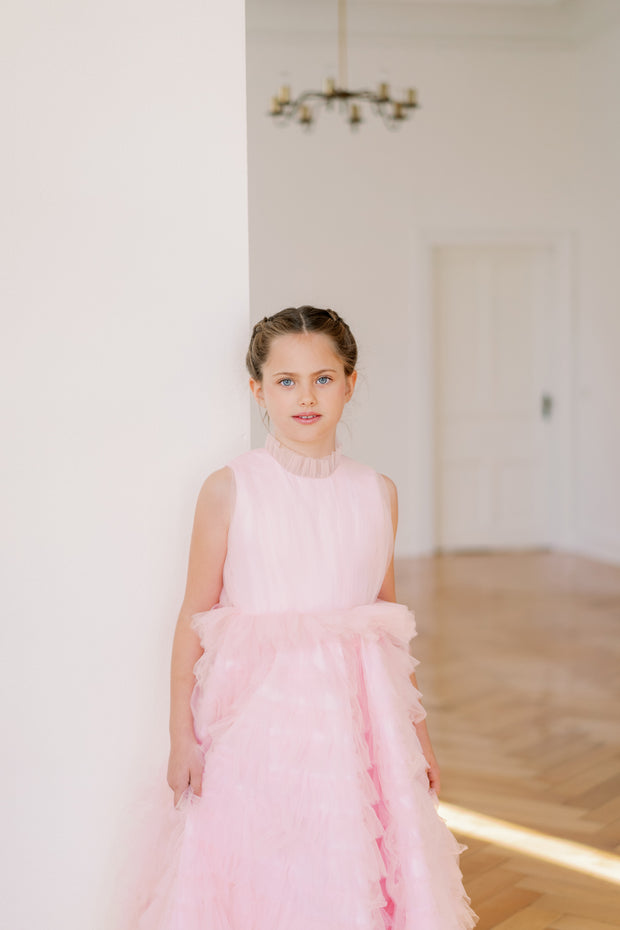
(244, 645)
(242, 648)
(290, 627)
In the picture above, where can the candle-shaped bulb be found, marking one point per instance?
(276, 109)
(412, 97)
(305, 114)
(285, 94)
(330, 87)
(398, 111)
(355, 116)
(384, 92)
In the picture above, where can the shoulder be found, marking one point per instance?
(351, 466)
(221, 485)
(386, 484)
(222, 479)
(251, 458)
(216, 493)
(391, 487)
(393, 498)
(218, 483)
(361, 468)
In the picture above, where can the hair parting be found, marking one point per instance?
(304, 319)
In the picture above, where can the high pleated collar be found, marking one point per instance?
(306, 466)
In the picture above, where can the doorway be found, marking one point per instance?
(495, 368)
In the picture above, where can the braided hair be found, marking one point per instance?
(300, 320)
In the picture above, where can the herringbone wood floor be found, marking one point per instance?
(520, 661)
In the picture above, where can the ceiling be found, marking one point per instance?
(564, 21)
(501, 3)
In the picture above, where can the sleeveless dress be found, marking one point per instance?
(315, 811)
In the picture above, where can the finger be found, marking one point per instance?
(179, 791)
(196, 780)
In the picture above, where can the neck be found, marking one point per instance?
(308, 466)
(313, 449)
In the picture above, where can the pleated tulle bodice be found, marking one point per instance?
(306, 533)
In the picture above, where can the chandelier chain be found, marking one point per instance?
(342, 43)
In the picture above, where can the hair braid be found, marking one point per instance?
(303, 319)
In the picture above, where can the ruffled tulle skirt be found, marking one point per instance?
(315, 811)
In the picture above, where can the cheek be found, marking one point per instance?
(275, 398)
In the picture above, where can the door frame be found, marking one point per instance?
(561, 380)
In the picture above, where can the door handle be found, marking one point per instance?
(546, 406)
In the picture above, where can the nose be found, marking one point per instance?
(307, 396)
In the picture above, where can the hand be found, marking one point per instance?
(434, 780)
(185, 767)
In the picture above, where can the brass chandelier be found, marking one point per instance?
(393, 112)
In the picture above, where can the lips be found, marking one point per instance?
(307, 418)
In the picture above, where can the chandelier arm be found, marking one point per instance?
(310, 95)
(371, 97)
(389, 121)
(364, 94)
(290, 109)
(379, 106)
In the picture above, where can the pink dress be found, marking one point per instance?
(315, 812)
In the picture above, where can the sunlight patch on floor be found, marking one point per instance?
(571, 855)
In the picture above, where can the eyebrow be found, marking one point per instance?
(294, 372)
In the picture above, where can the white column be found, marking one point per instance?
(124, 290)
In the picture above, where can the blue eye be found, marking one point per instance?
(321, 378)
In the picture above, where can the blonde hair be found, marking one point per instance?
(300, 320)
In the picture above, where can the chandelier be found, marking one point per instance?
(393, 112)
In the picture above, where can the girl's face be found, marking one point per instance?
(303, 375)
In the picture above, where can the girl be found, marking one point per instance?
(303, 778)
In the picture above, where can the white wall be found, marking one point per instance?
(340, 220)
(597, 444)
(125, 323)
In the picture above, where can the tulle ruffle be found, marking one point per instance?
(315, 811)
(305, 466)
(231, 631)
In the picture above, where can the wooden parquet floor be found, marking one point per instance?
(520, 675)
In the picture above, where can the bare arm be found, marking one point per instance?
(203, 587)
(388, 593)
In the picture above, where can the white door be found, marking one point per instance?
(491, 337)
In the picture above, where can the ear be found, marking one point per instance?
(351, 379)
(257, 390)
